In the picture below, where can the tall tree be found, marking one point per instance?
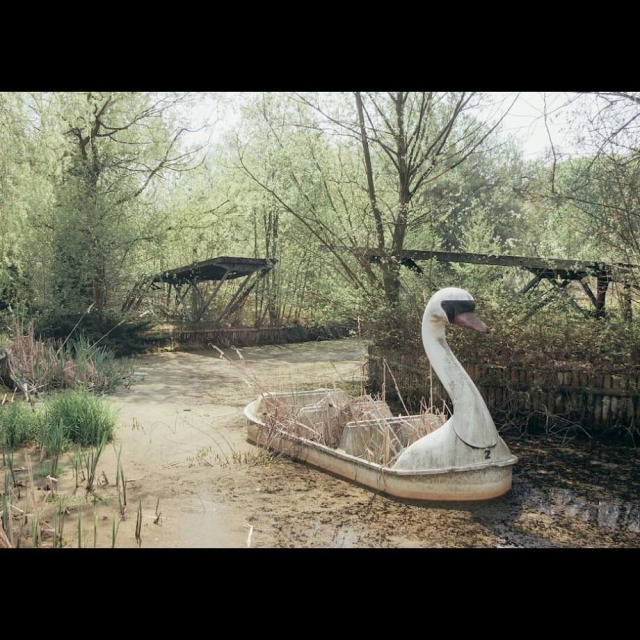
(602, 185)
(112, 149)
(24, 192)
(12, 217)
(385, 147)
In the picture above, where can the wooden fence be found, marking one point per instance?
(522, 396)
(201, 335)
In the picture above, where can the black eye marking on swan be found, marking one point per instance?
(454, 307)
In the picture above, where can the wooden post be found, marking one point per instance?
(626, 302)
(601, 293)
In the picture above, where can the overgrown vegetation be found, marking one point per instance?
(50, 405)
(62, 420)
(31, 366)
(113, 333)
(18, 426)
(34, 510)
(100, 189)
(554, 337)
(76, 423)
(83, 418)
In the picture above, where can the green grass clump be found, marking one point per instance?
(94, 366)
(79, 417)
(18, 425)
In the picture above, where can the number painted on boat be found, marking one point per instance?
(487, 454)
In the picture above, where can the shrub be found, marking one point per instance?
(37, 366)
(119, 333)
(555, 336)
(79, 417)
(18, 425)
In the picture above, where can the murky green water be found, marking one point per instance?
(576, 493)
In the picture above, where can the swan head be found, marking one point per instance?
(454, 306)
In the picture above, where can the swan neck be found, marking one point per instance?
(443, 361)
(474, 426)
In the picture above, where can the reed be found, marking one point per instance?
(86, 420)
(79, 522)
(77, 468)
(90, 460)
(54, 443)
(11, 469)
(36, 366)
(121, 486)
(18, 425)
(7, 525)
(115, 525)
(58, 524)
(139, 524)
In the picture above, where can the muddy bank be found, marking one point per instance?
(183, 439)
(193, 480)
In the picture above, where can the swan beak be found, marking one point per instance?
(470, 320)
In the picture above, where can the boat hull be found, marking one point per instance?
(470, 483)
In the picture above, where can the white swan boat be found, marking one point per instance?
(417, 457)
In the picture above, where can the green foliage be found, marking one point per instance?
(79, 417)
(53, 441)
(488, 186)
(92, 456)
(18, 425)
(40, 366)
(24, 190)
(108, 150)
(521, 333)
(100, 336)
(72, 417)
(479, 236)
(394, 327)
(98, 188)
(602, 194)
(300, 193)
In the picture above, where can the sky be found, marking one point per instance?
(525, 120)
